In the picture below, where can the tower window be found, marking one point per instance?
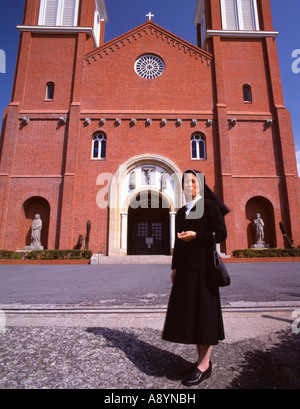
(50, 91)
(198, 146)
(99, 146)
(97, 22)
(247, 93)
(239, 15)
(58, 13)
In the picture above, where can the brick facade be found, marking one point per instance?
(47, 164)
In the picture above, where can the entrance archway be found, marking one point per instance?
(143, 173)
(148, 225)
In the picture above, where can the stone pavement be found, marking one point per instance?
(122, 349)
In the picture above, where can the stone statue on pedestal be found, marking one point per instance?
(36, 229)
(259, 233)
(259, 229)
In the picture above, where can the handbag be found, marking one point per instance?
(221, 277)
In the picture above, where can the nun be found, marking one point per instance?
(194, 314)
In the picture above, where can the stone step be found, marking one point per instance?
(155, 259)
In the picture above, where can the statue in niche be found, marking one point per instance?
(132, 181)
(259, 233)
(36, 228)
(164, 179)
(259, 229)
(147, 171)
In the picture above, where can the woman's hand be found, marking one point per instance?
(173, 275)
(187, 235)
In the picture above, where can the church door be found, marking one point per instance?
(148, 227)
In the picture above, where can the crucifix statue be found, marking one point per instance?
(150, 15)
(147, 171)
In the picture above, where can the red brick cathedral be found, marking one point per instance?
(102, 131)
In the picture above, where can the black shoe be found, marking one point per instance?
(196, 376)
(186, 371)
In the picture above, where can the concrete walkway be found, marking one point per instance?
(116, 346)
(123, 349)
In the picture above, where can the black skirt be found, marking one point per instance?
(194, 313)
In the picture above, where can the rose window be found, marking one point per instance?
(149, 66)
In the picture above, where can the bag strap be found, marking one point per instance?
(214, 240)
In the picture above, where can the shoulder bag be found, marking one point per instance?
(221, 277)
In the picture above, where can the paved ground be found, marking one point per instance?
(125, 351)
(118, 347)
(137, 284)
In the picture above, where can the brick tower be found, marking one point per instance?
(43, 113)
(258, 171)
(102, 131)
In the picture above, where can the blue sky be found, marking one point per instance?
(177, 17)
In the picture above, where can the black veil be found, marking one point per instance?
(208, 193)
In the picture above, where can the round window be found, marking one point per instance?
(149, 66)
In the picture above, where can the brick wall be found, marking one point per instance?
(52, 160)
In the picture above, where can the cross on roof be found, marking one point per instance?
(150, 15)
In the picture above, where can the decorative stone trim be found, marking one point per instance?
(153, 29)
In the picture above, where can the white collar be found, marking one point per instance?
(191, 204)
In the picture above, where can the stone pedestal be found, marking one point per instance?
(30, 248)
(260, 246)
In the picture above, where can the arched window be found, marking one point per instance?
(247, 92)
(198, 146)
(50, 90)
(99, 146)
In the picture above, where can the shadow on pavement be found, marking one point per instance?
(277, 366)
(148, 359)
(269, 363)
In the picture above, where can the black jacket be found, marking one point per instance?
(196, 253)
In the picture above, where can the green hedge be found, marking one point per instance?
(250, 253)
(48, 255)
(9, 255)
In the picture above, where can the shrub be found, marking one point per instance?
(250, 253)
(48, 255)
(59, 255)
(7, 254)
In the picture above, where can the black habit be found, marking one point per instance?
(194, 313)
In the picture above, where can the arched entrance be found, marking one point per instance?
(148, 225)
(32, 206)
(264, 207)
(140, 174)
